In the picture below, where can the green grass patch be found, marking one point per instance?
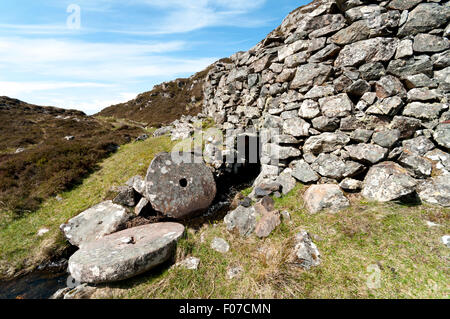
(22, 249)
(413, 263)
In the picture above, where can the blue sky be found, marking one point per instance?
(123, 47)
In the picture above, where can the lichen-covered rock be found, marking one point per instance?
(325, 197)
(242, 219)
(336, 106)
(310, 74)
(179, 190)
(425, 17)
(387, 181)
(368, 153)
(303, 172)
(350, 184)
(435, 190)
(305, 252)
(419, 145)
(125, 197)
(125, 254)
(325, 142)
(418, 166)
(442, 135)
(95, 223)
(220, 245)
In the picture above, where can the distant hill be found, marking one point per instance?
(165, 103)
(45, 150)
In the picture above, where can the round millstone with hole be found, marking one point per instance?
(125, 254)
(179, 190)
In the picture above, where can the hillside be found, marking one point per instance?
(45, 150)
(165, 103)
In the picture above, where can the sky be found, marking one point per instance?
(90, 54)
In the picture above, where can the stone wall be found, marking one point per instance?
(359, 91)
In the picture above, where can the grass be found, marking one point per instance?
(20, 247)
(392, 237)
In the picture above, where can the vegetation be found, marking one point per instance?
(49, 164)
(21, 249)
(164, 104)
(413, 262)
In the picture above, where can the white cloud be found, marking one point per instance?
(13, 89)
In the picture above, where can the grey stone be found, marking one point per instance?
(317, 92)
(94, 223)
(425, 17)
(220, 245)
(426, 43)
(403, 4)
(361, 135)
(368, 153)
(326, 142)
(286, 181)
(423, 94)
(387, 181)
(305, 253)
(389, 106)
(435, 190)
(125, 197)
(309, 109)
(309, 75)
(371, 50)
(331, 166)
(388, 86)
(336, 106)
(414, 65)
(404, 49)
(325, 197)
(326, 124)
(418, 166)
(372, 71)
(420, 80)
(406, 125)
(303, 172)
(141, 206)
(242, 219)
(138, 183)
(179, 189)
(190, 263)
(440, 158)
(419, 145)
(350, 184)
(358, 88)
(296, 127)
(329, 52)
(386, 138)
(442, 135)
(425, 111)
(111, 259)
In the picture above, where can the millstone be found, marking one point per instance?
(179, 190)
(125, 254)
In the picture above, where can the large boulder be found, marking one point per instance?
(94, 223)
(325, 196)
(387, 181)
(179, 190)
(125, 254)
(425, 17)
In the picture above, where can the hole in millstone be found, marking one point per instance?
(183, 182)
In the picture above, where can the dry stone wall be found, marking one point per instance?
(359, 91)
